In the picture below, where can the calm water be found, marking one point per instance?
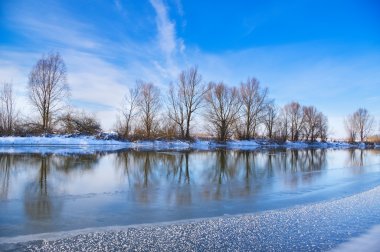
(46, 193)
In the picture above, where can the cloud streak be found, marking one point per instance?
(166, 28)
(171, 46)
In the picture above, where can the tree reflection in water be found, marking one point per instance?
(146, 171)
(138, 167)
(10, 166)
(356, 160)
(40, 195)
(222, 174)
(6, 162)
(303, 165)
(49, 192)
(176, 178)
(38, 203)
(178, 174)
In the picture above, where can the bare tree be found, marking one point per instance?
(222, 109)
(294, 115)
(185, 99)
(48, 88)
(349, 124)
(314, 124)
(323, 127)
(359, 125)
(270, 119)
(364, 123)
(254, 103)
(128, 111)
(149, 105)
(282, 124)
(177, 109)
(8, 114)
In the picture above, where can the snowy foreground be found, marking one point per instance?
(339, 225)
(87, 144)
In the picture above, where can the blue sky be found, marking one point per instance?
(322, 53)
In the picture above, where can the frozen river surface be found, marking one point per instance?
(279, 199)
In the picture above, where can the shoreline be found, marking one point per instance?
(90, 144)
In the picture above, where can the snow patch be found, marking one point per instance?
(90, 144)
(57, 140)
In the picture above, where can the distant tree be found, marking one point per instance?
(254, 103)
(364, 123)
(185, 98)
(294, 115)
(359, 125)
(314, 124)
(129, 112)
(176, 110)
(8, 114)
(349, 124)
(222, 109)
(48, 88)
(271, 116)
(323, 127)
(149, 105)
(282, 124)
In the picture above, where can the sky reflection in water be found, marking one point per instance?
(44, 193)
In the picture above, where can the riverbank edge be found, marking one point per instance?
(68, 140)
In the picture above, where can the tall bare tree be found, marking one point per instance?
(314, 124)
(323, 127)
(283, 122)
(48, 88)
(254, 103)
(129, 111)
(185, 99)
(149, 105)
(8, 114)
(364, 123)
(359, 124)
(177, 110)
(222, 109)
(270, 119)
(349, 124)
(294, 113)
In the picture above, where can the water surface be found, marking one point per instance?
(52, 192)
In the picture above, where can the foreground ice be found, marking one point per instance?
(316, 227)
(366, 242)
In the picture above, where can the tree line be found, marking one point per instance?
(244, 111)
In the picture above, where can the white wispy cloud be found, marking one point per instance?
(50, 25)
(170, 45)
(166, 28)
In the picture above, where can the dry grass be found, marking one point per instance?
(374, 139)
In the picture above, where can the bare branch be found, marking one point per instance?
(222, 109)
(48, 88)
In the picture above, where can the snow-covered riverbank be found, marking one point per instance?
(89, 144)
